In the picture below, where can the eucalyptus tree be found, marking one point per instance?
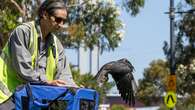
(155, 76)
(13, 12)
(152, 87)
(185, 50)
(91, 22)
(185, 46)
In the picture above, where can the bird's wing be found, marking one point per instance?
(126, 89)
(121, 72)
(102, 74)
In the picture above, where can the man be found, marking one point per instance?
(33, 53)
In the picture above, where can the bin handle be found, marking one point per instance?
(37, 103)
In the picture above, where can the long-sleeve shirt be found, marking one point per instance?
(21, 56)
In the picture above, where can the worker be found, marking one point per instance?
(33, 53)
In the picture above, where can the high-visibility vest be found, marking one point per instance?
(9, 78)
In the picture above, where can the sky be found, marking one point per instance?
(143, 38)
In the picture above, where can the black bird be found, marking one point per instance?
(121, 71)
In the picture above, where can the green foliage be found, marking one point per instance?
(90, 24)
(118, 107)
(190, 2)
(88, 81)
(133, 6)
(96, 24)
(179, 106)
(152, 85)
(185, 49)
(185, 78)
(8, 17)
(7, 20)
(185, 55)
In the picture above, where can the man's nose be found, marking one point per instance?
(61, 27)
(61, 24)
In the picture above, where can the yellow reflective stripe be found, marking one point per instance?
(3, 97)
(52, 62)
(55, 43)
(50, 69)
(4, 91)
(35, 46)
(34, 43)
(8, 76)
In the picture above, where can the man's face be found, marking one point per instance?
(57, 20)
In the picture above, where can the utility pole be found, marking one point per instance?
(171, 88)
(171, 98)
(172, 37)
(171, 81)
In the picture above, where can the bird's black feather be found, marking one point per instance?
(121, 71)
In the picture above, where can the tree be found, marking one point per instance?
(151, 87)
(98, 23)
(185, 52)
(90, 24)
(185, 47)
(133, 6)
(13, 11)
(185, 63)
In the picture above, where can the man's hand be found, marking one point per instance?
(56, 82)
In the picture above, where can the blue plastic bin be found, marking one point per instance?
(41, 97)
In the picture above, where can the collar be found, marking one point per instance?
(38, 28)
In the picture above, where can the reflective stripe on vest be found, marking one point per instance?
(52, 67)
(8, 77)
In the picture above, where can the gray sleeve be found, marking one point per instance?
(63, 68)
(20, 54)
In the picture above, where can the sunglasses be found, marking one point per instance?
(59, 19)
